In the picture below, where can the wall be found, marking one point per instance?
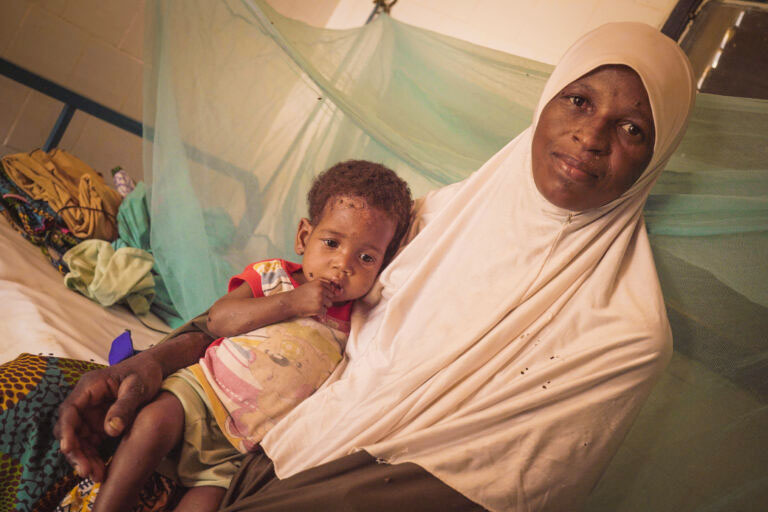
(94, 47)
(540, 30)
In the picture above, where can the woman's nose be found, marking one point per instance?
(593, 135)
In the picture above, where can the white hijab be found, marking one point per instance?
(511, 343)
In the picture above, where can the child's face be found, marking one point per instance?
(346, 247)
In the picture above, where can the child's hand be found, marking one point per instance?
(314, 297)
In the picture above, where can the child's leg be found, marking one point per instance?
(201, 499)
(157, 429)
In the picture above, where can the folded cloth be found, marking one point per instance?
(133, 228)
(159, 494)
(110, 276)
(71, 187)
(35, 221)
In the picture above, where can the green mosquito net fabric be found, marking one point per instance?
(246, 106)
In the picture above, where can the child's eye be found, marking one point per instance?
(367, 258)
(330, 242)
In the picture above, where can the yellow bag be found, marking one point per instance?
(87, 205)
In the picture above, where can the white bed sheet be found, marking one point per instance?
(38, 314)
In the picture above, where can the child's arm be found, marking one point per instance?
(239, 311)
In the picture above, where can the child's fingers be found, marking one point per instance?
(326, 284)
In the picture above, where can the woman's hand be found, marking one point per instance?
(102, 404)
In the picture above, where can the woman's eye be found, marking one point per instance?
(329, 242)
(367, 258)
(631, 129)
(579, 101)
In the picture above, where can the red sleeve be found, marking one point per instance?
(250, 276)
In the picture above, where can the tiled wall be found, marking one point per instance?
(541, 30)
(313, 12)
(95, 48)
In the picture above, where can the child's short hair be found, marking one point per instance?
(378, 185)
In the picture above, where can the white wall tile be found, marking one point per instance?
(498, 27)
(608, 11)
(53, 6)
(12, 98)
(104, 74)
(47, 45)
(658, 5)
(349, 14)
(425, 15)
(74, 130)
(133, 106)
(8, 150)
(537, 30)
(36, 120)
(104, 146)
(315, 13)
(462, 10)
(11, 14)
(554, 27)
(133, 42)
(108, 20)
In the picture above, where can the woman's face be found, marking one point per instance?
(593, 139)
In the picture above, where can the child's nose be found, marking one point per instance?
(344, 262)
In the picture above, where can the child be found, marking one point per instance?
(296, 320)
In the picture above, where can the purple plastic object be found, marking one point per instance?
(122, 348)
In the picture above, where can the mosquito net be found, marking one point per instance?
(243, 107)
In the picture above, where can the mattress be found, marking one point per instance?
(38, 314)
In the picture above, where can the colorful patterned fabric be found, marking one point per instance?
(158, 495)
(33, 473)
(71, 187)
(254, 379)
(36, 221)
(34, 476)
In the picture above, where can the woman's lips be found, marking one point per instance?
(574, 168)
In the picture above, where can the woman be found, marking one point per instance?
(505, 352)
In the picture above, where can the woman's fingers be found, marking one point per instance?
(70, 422)
(90, 392)
(86, 462)
(64, 430)
(130, 394)
(72, 428)
(79, 459)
